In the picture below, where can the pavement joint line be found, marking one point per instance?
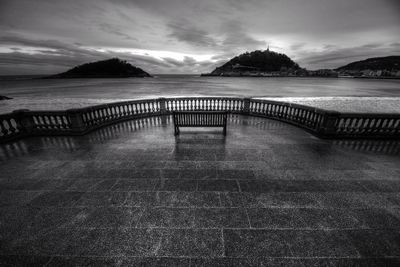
(233, 228)
(198, 257)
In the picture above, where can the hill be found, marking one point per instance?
(377, 63)
(256, 63)
(112, 68)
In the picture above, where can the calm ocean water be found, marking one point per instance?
(66, 93)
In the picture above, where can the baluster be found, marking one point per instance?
(140, 108)
(100, 112)
(3, 129)
(126, 110)
(11, 128)
(377, 124)
(97, 114)
(384, 125)
(291, 113)
(134, 109)
(396, 126)
(64, 122)
(392, 125)
(352, 125)
(117, 112)
(285, 112)
(109, 113)
(307, 118)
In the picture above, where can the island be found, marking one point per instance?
(258, 63)
(111, 68)
(2, 97)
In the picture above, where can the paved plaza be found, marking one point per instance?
(267, 194)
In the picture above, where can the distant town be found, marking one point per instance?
(239, 70)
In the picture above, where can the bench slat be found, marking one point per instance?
(199, 119)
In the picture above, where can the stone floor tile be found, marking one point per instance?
(280, 200)
(103, 184)
(246, 243)
(350, 200)
(99, 199)
(354, 262)
(231, 199)
(81, 185)
(135, 185)
(235, 174)
(246, 262)
(17, 198)
(85, 261)
(376, 243)
(141, 242)
(375, 218)
(57, 198)
(141, 199)
(107, 217)
(328, 218)
(218, 185)
(221, 218)
(382, 186)
(135, 174)
(188, 199)
(23, 260)
(167, 217)
(171, 174)
(192, 243)
(321, 243)
(153, 262)
(176, 185)
(276, 218)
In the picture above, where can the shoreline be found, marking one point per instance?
(282, 76)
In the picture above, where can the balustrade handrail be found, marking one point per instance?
(78, 121)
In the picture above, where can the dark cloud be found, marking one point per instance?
(108, 28)
(185, 32)
(297, 46)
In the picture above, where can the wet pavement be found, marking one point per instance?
(267, 194)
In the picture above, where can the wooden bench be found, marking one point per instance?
(199, 119)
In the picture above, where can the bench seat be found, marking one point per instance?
(200, 119)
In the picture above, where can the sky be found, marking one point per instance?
(192, 36)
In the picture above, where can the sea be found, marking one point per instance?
(343, 94)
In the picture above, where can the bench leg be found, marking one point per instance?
(224, 130)
(176, 130)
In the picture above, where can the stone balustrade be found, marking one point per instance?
(322, 123)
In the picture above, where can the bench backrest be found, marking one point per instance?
(200, 118)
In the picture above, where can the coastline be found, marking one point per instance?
(291, 76)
